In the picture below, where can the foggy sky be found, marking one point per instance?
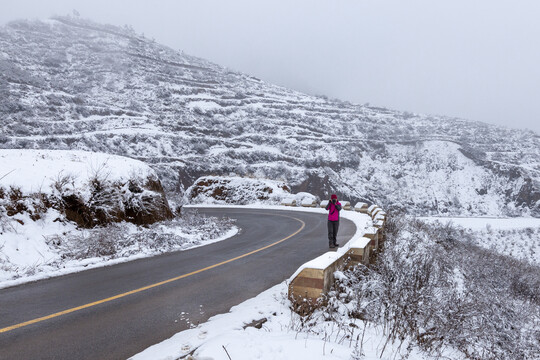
(478, 60)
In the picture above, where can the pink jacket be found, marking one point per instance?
(334, 210)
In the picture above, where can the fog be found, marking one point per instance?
(478, 60)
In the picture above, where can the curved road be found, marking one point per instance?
(117, 311)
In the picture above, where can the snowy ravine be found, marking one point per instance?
(69, 83)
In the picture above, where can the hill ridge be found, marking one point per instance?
(70, 83)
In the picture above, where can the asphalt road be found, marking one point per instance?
(121, 327)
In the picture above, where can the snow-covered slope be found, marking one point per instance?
(73, 84)
(38, 170)
(515, 237)
(90, 189)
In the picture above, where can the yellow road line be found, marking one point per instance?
(30, 322)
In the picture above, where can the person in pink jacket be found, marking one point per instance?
(333, 207)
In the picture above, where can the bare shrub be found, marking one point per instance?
(123, 239)
(432, 287)
(434, 290)
(140, 201)
(98, 242)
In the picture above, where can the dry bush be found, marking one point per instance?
(89, 243)
(122, 239)
(105, 202)
(14, 202)
(432, 286)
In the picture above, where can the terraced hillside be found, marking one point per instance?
(68, 83)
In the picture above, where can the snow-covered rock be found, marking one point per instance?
(87, 188)
(306, 199)
(236, 190)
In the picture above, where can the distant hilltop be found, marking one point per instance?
(68, 83)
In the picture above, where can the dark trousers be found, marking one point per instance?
(333, 227)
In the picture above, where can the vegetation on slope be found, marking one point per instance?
(69, 83)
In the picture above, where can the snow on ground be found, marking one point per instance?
(516, 237)
(204, 105)
(223, 337)
(28, 252)
(38, 170)
(520, 243)
(483, 223)
(304, 198)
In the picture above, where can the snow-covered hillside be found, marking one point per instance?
(39, 170)
(518, 238)
(90, 189)
(73, 84)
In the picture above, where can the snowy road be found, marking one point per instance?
(117, 311)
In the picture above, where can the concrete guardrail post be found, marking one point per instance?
(361, 207)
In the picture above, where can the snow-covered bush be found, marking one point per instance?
(14, 202)
(433, 287)
(123, 239)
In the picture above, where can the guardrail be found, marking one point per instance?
(315, 278)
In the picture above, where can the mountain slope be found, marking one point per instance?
(68, 83)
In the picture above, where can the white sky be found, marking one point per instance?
(476, 59)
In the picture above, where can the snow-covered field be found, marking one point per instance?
(38, 170)
(483, 223)
(516, 237)
(523, 244)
